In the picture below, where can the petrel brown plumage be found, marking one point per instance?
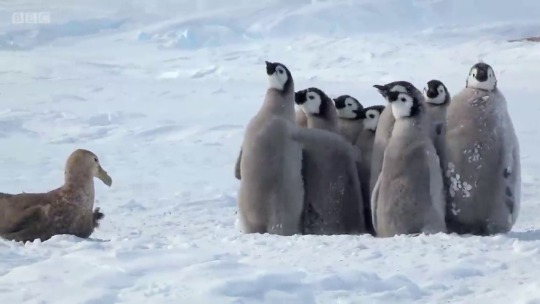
(65, 210)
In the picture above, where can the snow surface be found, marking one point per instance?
(161, 90)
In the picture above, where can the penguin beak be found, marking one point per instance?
(432, 93)
(270, 68)
(481, 75)
(360, 114)
(392, 96)
(382, 89)
(300, 97)
(340, 104)
(104, 176)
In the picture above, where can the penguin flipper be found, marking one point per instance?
(374, 198)
(436, 184)
(511, 166)
(237, 172)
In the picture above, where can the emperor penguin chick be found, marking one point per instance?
(349, 110)
(437, 100)
(333, 200)
(408, 197)
(482, 158)
(386, 123)
(271, 194)
(369, 118)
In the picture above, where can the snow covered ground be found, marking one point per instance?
(161, 91)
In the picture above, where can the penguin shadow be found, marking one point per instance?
(525, 236)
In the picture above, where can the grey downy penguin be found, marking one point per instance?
(333, 197)
(349, 109)
(408, 197)
(271, 194)
(482, 158)
(386, 123)
(437, 100)
(370, 119)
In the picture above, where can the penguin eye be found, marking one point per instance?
(371, 116)
(349, 104)
(95, 159)
(311, 97)
(403, 99)
(280, 71)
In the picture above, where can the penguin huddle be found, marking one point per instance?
(425, 163)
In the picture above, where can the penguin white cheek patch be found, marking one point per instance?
(489, 84)
(371, 120)
(437, 100)
(402, 106)
(347, 112)
(351, 104)
(277, 81)
(312, 104)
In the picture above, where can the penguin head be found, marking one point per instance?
(403, 104)
(481, 76)
(371, 115)
(396, 86)
(348, 107)
(313, 101)
(279, 76)
(436, 93)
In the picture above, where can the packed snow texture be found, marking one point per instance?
(161, 92)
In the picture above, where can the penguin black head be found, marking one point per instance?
(314, 101)
(436, 93)
(481, 76)
(348, 107)
(279, 76)
(403, 104)
(396, 86)
(371, 115)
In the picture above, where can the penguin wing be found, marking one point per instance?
(237, 172)
(436, 185)
(374, 199)
(377, 156)
(511, 167)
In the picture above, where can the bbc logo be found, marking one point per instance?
(31, 18)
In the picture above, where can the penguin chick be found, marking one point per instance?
(333, 195)
(408, 197)
(271, 194)
(482, 158)
(386, 123)
(369, 118)
(318, 108)
(349, 110)
(437, 100)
